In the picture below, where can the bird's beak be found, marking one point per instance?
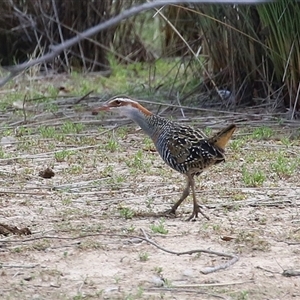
(103, 107)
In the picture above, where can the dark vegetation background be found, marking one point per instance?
(235, 56)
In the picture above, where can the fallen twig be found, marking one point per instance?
(83, 97)
(266, 270)
(233, 258)
(217, 284)
(290, 273)
(286, 273)
(183, 290)
(19, 266)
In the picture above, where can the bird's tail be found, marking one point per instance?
(221, 138)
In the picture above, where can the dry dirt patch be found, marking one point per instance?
(85, 220)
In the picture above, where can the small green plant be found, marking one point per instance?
(159, 228)
(47, 132)
(75, 169)
(99, 294)
(143, 256)
(62, 155)
(2, 153)
(158, 270)
(53, 107)
(237, 144)
(112, 145)
(208, 131)
(136, 162)
(255, 178)
(69, 127)
(66, 201)
(90, 244)
(286, 141)
(127, 213)
(139, 292)
(79, 296)
(262, 133)
(138, 159)
(16, 250)
(149, 203)
(52, 91)
(122, 132)
(243, 295)
(119, 179)
(167, 283)
(238, 196)
(216, 227)
(263, 221)
(129, 297)
(284, 166)
(23, 131)
(252, 240)
(148, 143)
(41, 245)
(117, 279)
(251, 158)
(131, 229)
(107, 171)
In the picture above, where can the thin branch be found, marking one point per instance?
(286, 273)
(296, 102)
(60, 32)
(181, 109)
(24, 109)
(290, 273)
(233, 258)
(19, 266)
(292, 243)
(83, 97)
(217, 284)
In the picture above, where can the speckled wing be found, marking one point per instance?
(191, 148)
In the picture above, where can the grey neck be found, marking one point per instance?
(142, 120)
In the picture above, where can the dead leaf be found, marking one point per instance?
(227, 238)
(7, 229)
(47, 173)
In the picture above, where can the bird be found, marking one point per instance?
(185, 149)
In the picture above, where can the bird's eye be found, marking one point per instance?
(118, 102)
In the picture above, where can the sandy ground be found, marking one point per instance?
(84, 242)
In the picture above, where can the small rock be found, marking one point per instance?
(158, 281)
(28, 278)
(111, 289)
(188, 273)
(7, 141)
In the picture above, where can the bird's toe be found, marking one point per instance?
(193, 217)
(196, 211)
(170, 213)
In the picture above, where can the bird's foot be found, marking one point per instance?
(195, 213)
(170, 213)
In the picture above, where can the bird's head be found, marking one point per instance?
(122, 105)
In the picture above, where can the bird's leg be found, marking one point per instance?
(196, 208)
(185, 193)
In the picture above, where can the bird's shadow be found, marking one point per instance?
(165, 214)
(155, 215)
